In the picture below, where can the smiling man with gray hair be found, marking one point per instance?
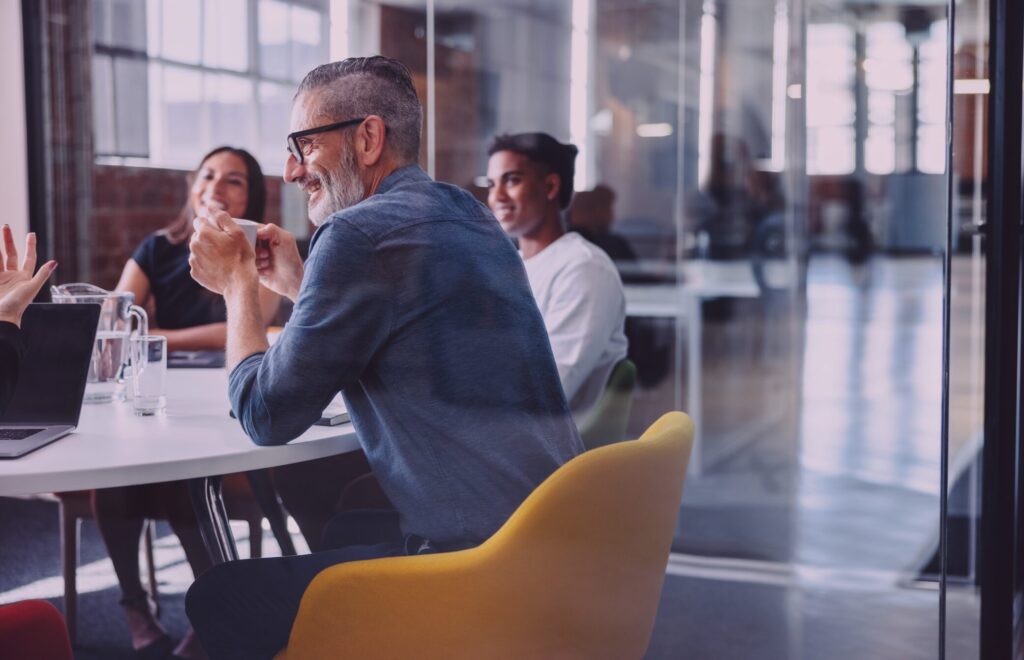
(415, 305)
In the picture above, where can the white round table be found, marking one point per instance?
(195, 440)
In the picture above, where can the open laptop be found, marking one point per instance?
(47, 399)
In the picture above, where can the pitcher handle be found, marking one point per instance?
(141, 319)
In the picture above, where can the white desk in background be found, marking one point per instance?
(196, 440)
(682, 302)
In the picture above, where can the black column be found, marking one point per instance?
(1002, 332)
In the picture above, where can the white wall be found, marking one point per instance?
(13, 164)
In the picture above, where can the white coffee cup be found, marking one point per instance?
(250, 228)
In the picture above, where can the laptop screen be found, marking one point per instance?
(58, 346)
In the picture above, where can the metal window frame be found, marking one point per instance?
(252, 72)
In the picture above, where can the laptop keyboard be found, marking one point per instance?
(17, 434)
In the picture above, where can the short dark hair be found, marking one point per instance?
(543, 149)
(361, 86)
(180, 230)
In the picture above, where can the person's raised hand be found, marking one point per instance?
(18, 286)
(222, 258)
(278, 262)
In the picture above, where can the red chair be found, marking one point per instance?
(33, 629)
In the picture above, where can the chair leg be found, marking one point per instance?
(149, 538)
(266, 495)
(255, 537)
(69, 535)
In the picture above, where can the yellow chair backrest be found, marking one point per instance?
(576, 571)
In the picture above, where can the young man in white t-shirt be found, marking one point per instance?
(578, 289)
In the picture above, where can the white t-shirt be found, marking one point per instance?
(580, 296)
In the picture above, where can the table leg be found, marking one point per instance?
(265, 494)
(694, 403)
(213, 518)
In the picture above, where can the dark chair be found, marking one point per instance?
(606, 422)
(76, 506)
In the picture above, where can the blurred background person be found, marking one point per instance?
(592, 214)
(578, 290)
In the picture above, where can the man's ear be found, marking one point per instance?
(553, 186)
(370, 141)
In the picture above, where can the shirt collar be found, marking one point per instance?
(406, 174)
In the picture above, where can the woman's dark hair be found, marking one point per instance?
(544, 150)
(180, 230)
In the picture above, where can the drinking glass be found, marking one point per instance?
(148, 372)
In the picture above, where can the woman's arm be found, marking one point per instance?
(213, 336)
(208, 337)
(202, 337)
(134, 280)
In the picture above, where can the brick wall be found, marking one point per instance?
(130, 202)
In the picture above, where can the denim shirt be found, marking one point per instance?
(415, 305)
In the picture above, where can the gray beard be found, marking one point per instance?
(341, 187)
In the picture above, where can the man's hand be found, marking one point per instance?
(278, 261)
(17, 285)
(222, 259)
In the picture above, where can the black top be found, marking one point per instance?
(180, 301)
(12, 348)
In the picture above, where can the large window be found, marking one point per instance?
(830, 102)
(172, 78)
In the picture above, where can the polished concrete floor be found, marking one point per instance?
(815, 504)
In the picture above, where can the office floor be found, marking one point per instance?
(816, 499)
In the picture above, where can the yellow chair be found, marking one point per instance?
(575, 572)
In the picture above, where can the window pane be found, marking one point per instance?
(101, 21)
(225, 35)
(931, 148)
(308, 46)
(153, 16)
(274, 39)
(881, 107)
(128, 24)
(889, 55)
(830, 150)
(180, 31)
(274, 107)
(103, 103)
(880, 150)
(830, 68)
(183, 118)
(230, 107)
(131, 95)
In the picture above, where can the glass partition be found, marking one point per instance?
(771, 179)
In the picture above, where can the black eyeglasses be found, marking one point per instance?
(298, 147)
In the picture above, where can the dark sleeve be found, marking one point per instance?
(11, 351)
(145, 254)
(341, 319)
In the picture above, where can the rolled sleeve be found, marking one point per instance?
(340, 320)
